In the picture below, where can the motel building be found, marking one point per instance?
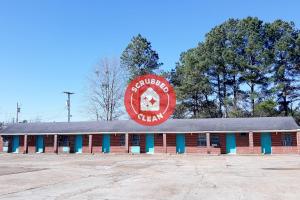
(266, 135)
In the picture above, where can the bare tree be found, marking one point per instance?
(106, 89)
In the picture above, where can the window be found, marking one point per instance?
(215, 140)
(122, 140)
(135, 140)
(63, 140)
(287, 140)
(243, 134)
(201, 139)
(5, 141)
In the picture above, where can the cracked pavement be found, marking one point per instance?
(49, 176)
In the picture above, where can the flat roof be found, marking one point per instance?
(212, 125)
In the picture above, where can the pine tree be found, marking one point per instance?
(139, 58)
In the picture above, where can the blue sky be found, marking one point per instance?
(47, 47)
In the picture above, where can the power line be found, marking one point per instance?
(69, 104)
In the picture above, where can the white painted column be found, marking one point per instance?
(251, 144)
(165, 142)
(25, 144)
(208, 142)
(298, 140)
(55, 144)
(90, 143)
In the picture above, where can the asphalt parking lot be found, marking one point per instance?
(47, 176)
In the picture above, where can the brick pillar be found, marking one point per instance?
(251, 145)
(165, 142)
(1, 143)
(208, 142)
(55, 150)
(126, 142)
(298, 140)
(90, 143)
(25, 144)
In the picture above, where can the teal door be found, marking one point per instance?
(230, 143)
(39, 144)
(106, 143)
(150, 143)
(15, 144)
(78, 144)
(266, 143)
(180, 143)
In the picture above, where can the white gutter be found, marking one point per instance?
(156, 132)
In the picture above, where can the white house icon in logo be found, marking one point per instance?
(150, 100)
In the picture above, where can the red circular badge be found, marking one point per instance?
(150, 100)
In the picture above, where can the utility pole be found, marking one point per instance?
(69, 104)
(18, 111)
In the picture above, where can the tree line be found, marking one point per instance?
(243, 68)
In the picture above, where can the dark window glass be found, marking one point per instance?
(243, 134)
(63, 140)
(5, 141)
(287, 140)
(201, 139)
(215, 140)
(122, 139)
(135, 140)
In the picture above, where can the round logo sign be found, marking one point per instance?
(150, 100)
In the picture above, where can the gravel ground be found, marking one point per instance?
(47, 176)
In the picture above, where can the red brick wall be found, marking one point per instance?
(191, 144)
(143, 143)
(171, 143)
(256, 139)
(31, 139)
(85, 144)
(222, 142)
(214, 151)
(278, 148)
(21, 143)
(256, 143)
(49, 143)
(158, 143)
(1, 144)
(277, 139)
(242, 144)
(97, 143)
(115, 145)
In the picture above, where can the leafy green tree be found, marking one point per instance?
(284, 42)
(139, 58)
(253, 59)
(223, 47)
(266, 108)
(192, 85)
(243, 68)
(217, 71)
